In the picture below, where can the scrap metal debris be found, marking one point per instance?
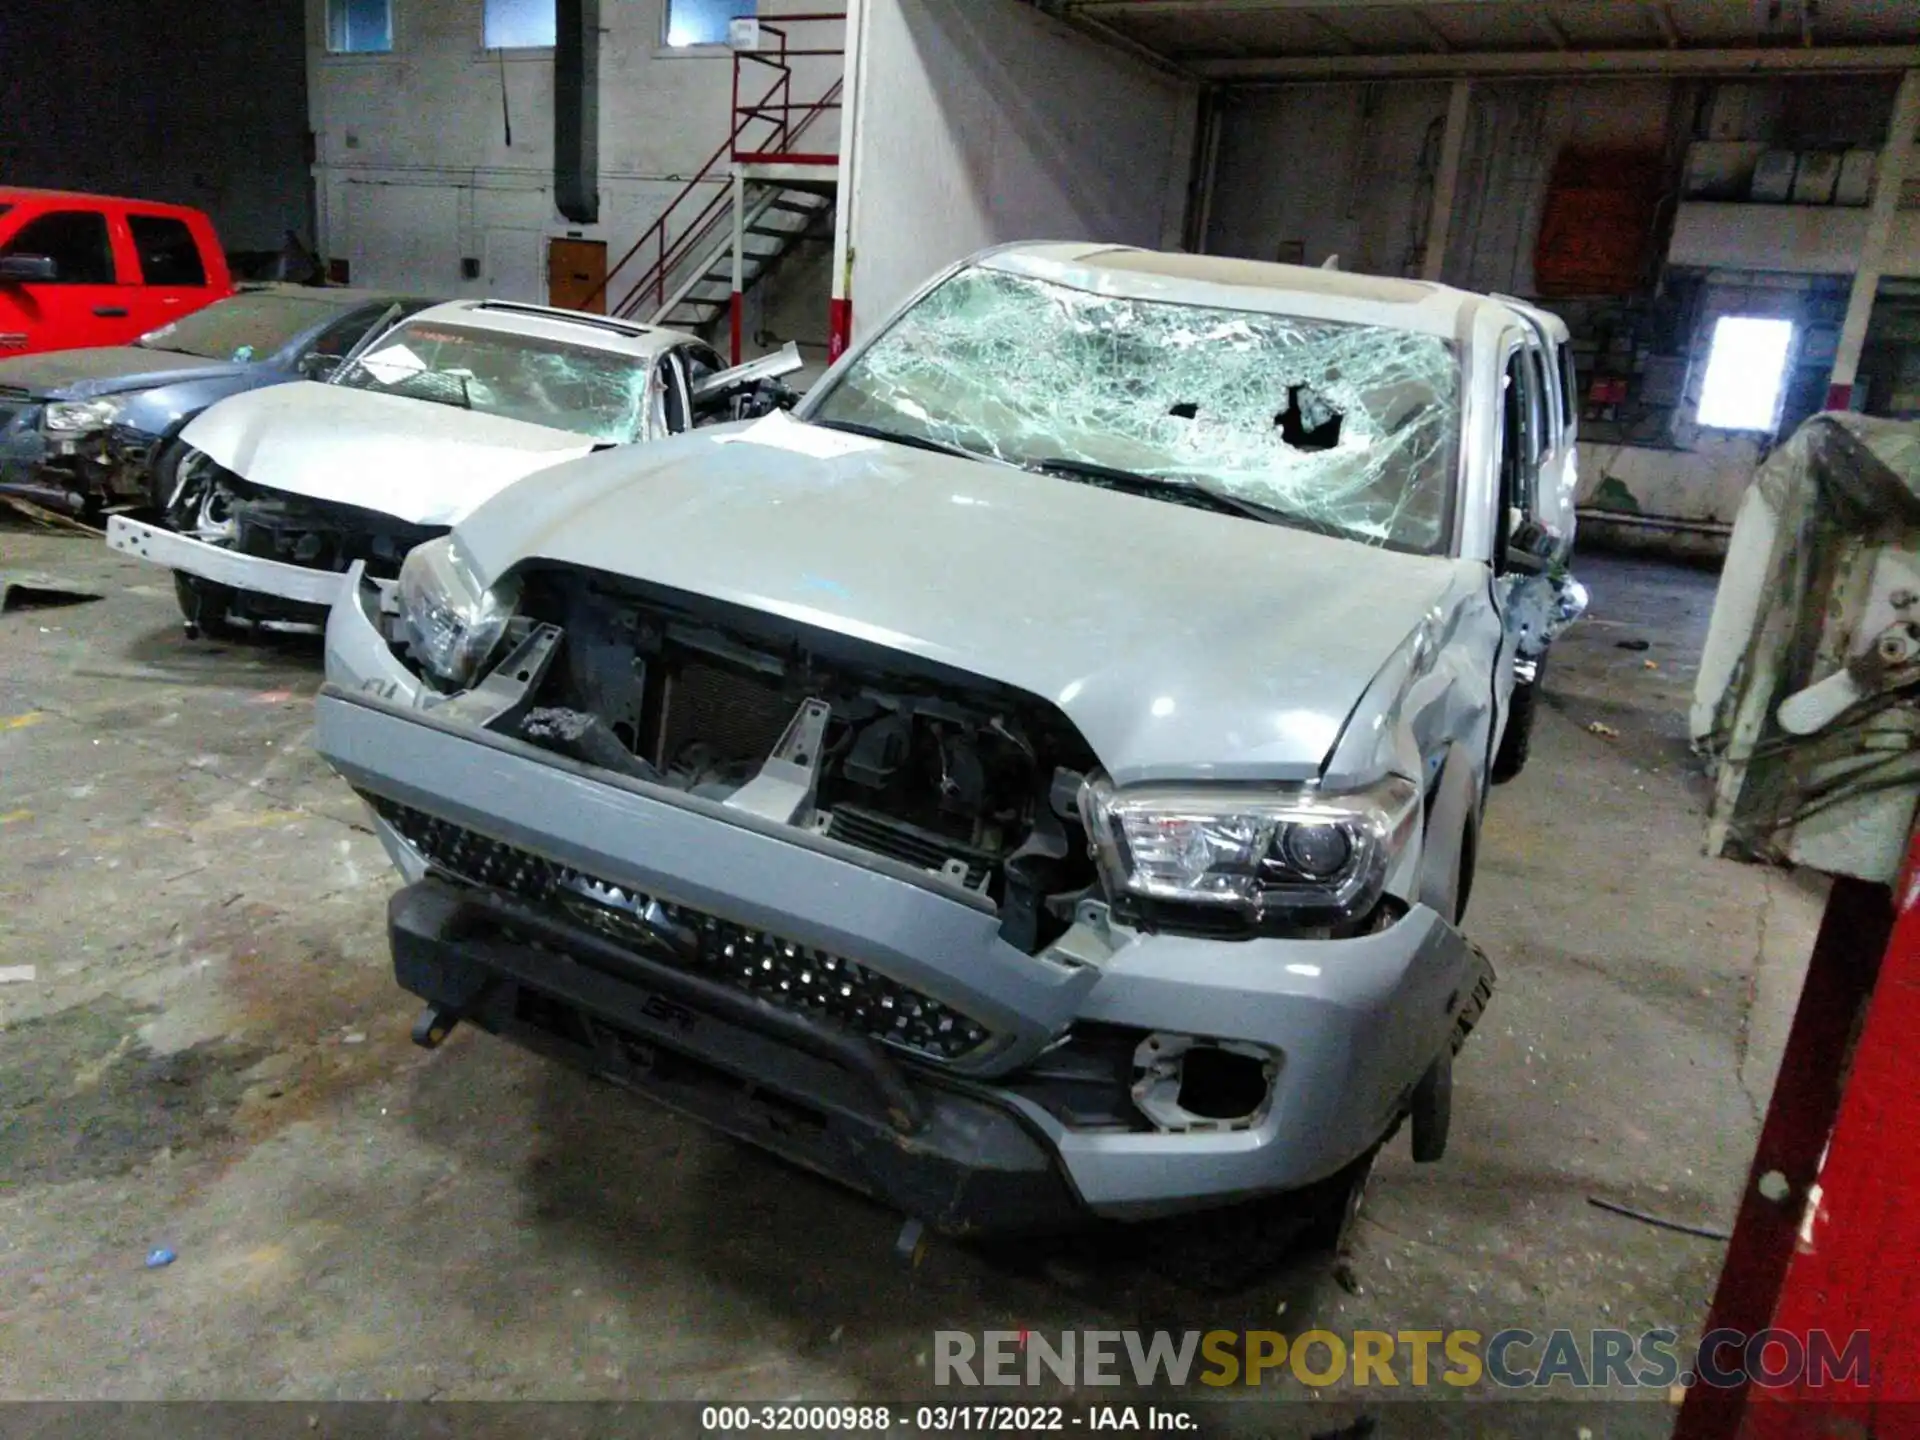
(1705, 1232)
(40, 592)
(52, 519)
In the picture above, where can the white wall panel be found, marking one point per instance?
(982, 122)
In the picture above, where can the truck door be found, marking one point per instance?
(80, 304)
(172, 279)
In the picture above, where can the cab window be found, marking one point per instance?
(1520, 434)
(167, 253)
(1547, 413)
(75, 240)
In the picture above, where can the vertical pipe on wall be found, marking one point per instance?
(1889, 175)
(852, 118)
(737, 304)
(1447, 180)
(576, 110)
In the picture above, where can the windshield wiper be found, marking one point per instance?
(901, 437)
(1161, 487)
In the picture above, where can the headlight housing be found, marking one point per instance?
(1259, 851)
(75, 417)
(449, 620)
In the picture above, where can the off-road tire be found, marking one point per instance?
(1517, 742)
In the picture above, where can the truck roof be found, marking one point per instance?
(11, 193)
(1234, 284)
(601, 332)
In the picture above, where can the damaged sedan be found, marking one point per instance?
(86, 430)
(269, 497)
(1040, 777)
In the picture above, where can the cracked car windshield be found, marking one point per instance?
(543, 382)
(240, 327)
(1342, 428)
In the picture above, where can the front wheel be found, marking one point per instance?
(204, 605)
(1517, 741)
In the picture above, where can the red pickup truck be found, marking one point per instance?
(83, 270)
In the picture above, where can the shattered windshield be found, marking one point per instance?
(543, 382)
(1342, 428)
(241, 327)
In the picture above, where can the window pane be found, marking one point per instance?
(359, 27)
(520, 24)
(168, 255)
(76, 241)
(703, 22)
(1744, 370)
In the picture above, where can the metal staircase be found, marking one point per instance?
(760, 194)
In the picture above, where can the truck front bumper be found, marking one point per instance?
(236, 571)
(1349, 1026)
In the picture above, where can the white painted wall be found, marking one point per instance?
(983, 121)
(415, 171)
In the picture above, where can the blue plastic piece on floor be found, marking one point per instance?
(157, 1258)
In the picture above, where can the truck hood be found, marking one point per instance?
(420, 462)
(106, 370)
(1180, 642)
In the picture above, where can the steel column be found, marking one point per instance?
(1890, 174)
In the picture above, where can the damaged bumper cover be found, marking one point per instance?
(624, 926)
(222, 566)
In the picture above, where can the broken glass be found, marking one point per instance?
(1338, 427)
(600, 393)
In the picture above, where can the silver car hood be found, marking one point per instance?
(1180, 642)
(424, 463)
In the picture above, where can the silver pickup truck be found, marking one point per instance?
(1038, 777)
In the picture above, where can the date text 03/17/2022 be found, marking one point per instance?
(792, 1419)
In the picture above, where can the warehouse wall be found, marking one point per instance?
(983, 121)
(110, 115)
(1308, 171)
(416, 171)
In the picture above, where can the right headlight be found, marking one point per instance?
(450, 621)
(1256, 850)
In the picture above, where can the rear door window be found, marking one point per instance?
(1543, 400)
(75, 240)
(168, 254)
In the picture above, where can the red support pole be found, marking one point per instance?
(1837, 1259)
(1856, 1264)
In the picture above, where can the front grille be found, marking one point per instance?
(782, 972)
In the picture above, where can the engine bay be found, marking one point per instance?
(940, 771)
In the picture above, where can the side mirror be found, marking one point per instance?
(21, 269)
(319, 367)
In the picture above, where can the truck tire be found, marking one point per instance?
(160, 475)
(203, 605)
(1511, 758)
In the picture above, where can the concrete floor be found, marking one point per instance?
(211, 1056)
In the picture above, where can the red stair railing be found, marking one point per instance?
(775, 109)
